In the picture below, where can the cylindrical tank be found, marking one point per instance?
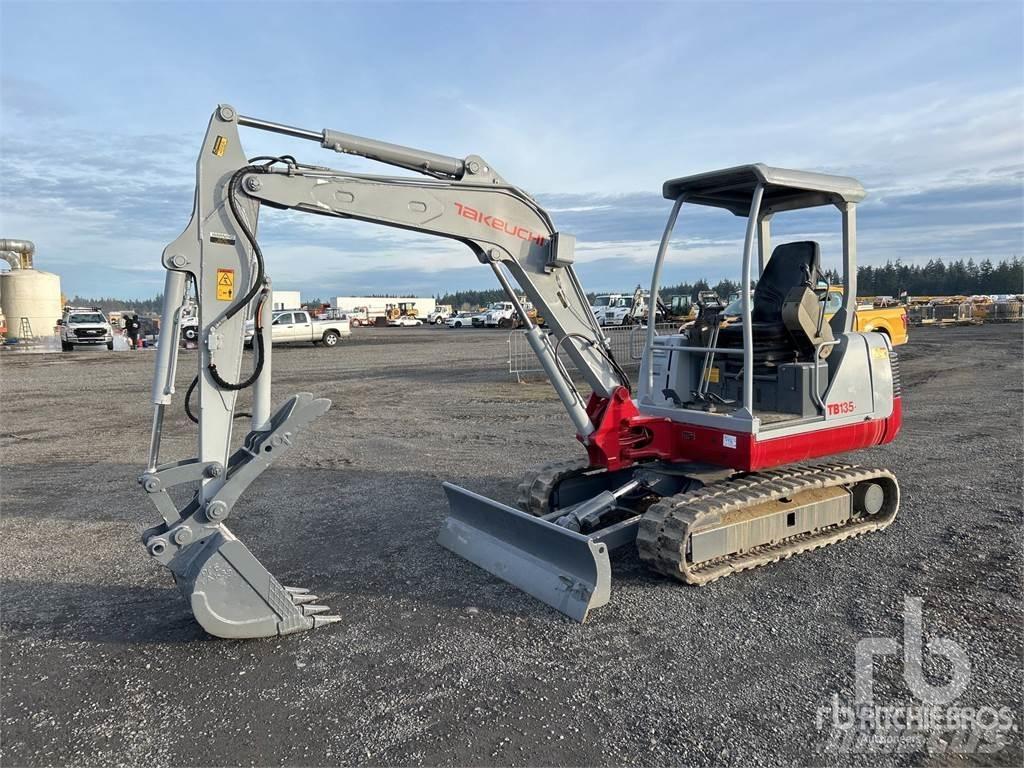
(32, 294)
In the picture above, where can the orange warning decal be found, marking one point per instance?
(225, 284)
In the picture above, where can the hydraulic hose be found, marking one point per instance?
(259, 284)
(258, 343)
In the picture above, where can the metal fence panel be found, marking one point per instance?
(1005, 312)
(954, 313)
(626, 343)
(967, 312)
(923, 314)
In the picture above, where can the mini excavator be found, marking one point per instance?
(721, 460)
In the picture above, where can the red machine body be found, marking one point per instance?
(624, 436)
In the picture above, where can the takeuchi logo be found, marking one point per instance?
(471, 213)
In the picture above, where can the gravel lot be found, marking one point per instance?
(436, 662)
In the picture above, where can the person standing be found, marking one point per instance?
(132, 326)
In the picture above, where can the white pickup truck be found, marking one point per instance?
(292, 325)
(84, 326)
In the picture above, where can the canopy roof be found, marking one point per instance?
(733, 188)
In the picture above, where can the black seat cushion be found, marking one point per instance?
(791, 265)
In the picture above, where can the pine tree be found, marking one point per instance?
(985, 282)
(972, 277)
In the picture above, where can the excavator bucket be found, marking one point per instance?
(231, 593)
(233, 596)
(567, 570)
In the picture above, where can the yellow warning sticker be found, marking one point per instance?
(880, 352)
(225, 284)
(712, 376)
(220, 144)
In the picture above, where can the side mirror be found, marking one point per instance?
(60, 322)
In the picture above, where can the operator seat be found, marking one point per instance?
(790, 266)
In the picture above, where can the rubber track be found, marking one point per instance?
(533, 494)
(667, 524)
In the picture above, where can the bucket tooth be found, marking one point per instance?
(296, 590)
(309, 610)
(232, 595)
(302, 599)
(567, 570)
(323, 621)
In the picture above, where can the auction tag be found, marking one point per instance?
(225, 284)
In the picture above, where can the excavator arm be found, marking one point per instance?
(231, 593)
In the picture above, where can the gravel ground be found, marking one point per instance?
(435, 661)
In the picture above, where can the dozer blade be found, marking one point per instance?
(562, 568)
(233, 596)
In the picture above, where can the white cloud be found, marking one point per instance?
(942, 157)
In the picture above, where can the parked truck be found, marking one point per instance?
(84, 326)
(501, 314)
(602, 302)
(891, 322)
(297, 325)
(440, 314)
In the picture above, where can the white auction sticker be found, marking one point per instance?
(729, 441)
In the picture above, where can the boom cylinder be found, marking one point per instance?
(548, 358)
(393, 154)
(372, 149)
(166, 357)
(565, 389)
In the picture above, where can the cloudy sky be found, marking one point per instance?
(589, 107)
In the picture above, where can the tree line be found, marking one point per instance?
(465, 300)
(110, 304)
(938, 279)
(935, 278)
